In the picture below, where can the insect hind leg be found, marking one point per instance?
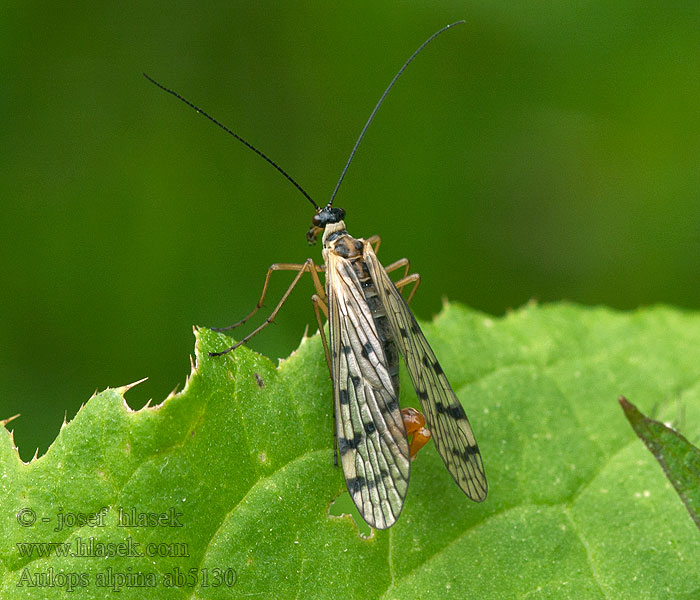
(413, 278)
(321, 306)
(406, 279)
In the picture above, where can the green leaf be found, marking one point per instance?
(679, 459)
(242, 460)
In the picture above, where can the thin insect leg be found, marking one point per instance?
(323, 306)
(320, 304)
(274, 267)
(402, 262)
(320, 289)
(412, 278)
(414, 422)
(375, 240)
(307, 266)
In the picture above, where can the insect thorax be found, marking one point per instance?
(337, 241)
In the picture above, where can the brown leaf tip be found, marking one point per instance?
(4, 422)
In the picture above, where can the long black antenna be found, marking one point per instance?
(381, 100)
(238, 137)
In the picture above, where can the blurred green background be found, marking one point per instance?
(545, 150)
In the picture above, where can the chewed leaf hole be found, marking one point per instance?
(344, 506)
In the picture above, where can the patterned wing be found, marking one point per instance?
(444, 414)
(371, 434)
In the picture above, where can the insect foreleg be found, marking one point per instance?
(273, 267)
(308, 266)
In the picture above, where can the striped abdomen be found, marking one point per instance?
(380, 320)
